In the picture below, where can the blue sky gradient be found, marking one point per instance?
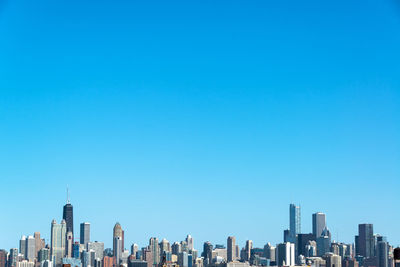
(200, 117)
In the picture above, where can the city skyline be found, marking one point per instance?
(199, 244)
(300, 249)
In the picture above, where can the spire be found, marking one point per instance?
(68, 195)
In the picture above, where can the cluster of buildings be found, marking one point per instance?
(315, 249)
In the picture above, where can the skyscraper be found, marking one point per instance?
(176, 248)
(302, 241)
(183, 260)
(58, 242)
(68, 216)
(13, 258)
(44, 254)
(366, 240)
(22, 246)
(249, 246)
(383, 253)
(189, 241)
(269, 252)
(285, 254)
(39, 243)
(318, 224)
(295, 222)
(164, 247)
(30, 249)
(3, 258)
(117, 245)
(118, 232)
(324, 242)
(207, 252)
(231, 248)
(85, 233)
(155, 250)
(68, 245)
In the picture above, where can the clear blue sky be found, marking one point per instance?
(200, 117)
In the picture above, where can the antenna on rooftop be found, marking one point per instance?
(67, 195)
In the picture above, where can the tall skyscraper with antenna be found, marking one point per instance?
(68, 215)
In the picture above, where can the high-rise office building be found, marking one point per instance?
(164, 247)
(285, 254)
(248, 247)
(295, 222)
(22, 246)
(183, 260)
(176, 248)
(76, 250)
(39, 243)
(231, 248)
(357, 247)
(324, 243)
(134, 250)
(117, 245)
(3, 258)
(148, 256)
(85, 233)
(13, 257)
(382, 253)
(30, 249)
(302, 241)
(118, 232)
(207, 252)
(155, 250)
(311, 249)
(269, 252)
(124, 257)
(190, 242)
(366, 240)
(286, 236)
(68, 216)
(44, 254)
(58, 242)
(68, 246)
(318, 224)
(184, 246)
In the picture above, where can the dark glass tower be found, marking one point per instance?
(69, 217)
(366, 240)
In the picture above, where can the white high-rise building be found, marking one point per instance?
(68, 248)
(58, 242)
(285, 254)
(117, 250)
(189, 241)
